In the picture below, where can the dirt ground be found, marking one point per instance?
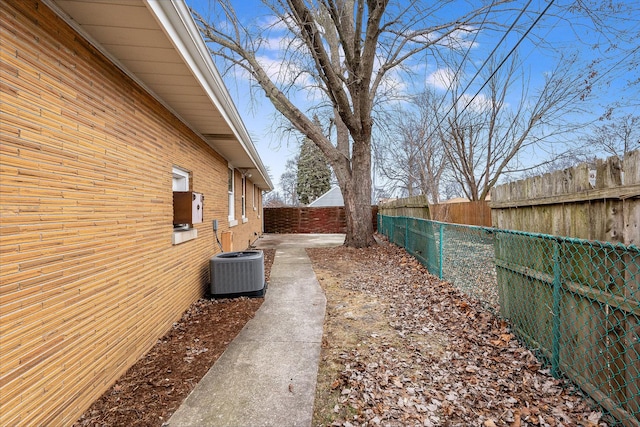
(153, 389)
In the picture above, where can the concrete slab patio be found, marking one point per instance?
(267, 375)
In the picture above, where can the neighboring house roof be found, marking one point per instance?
(158, 45)
(333, 197)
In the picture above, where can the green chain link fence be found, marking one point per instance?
(575, 302)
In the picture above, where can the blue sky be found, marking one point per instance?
(256, 110)
(557, 28)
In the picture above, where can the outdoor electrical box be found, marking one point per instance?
(187, 207)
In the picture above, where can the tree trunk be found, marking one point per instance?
(356, 192)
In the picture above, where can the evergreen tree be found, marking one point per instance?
(314, 174)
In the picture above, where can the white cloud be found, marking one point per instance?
(284, 73)
(442, 78)
(458, 39)
(275, 44)
(479, 104)
(461, 38)
(273, 22)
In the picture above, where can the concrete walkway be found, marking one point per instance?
(267, 375)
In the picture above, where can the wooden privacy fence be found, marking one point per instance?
(469, 213)
(309, 220)
(414, 207)
(597, 202)
(575, 300)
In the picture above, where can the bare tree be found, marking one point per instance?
(616, 137)
(474, 142)
(413, 155)
(346, 51)
(289, 182)
(483, 137)
(273, 200)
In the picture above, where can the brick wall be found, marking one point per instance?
(308, 220)
(89, 276)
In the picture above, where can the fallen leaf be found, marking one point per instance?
(506, 337)
(517, 422)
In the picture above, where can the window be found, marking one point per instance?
(180, 179)
(253, 196)
(180, 182)
(244, 198)
(231, 189)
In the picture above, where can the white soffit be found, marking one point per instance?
(157, 44)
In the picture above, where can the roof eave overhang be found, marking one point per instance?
(174, 20)
(175, 17)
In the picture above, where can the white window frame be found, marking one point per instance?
(180, 179)
(253, 196)
(231, 186)
(180, 182)
(243, 183)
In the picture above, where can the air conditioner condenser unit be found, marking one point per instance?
(236, 274)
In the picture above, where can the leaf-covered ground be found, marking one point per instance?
(402, 348)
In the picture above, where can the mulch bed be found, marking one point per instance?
(155, 386)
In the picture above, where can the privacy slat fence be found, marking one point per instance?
(569, 294)
(572, 301)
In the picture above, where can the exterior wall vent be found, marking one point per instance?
(237, 274)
